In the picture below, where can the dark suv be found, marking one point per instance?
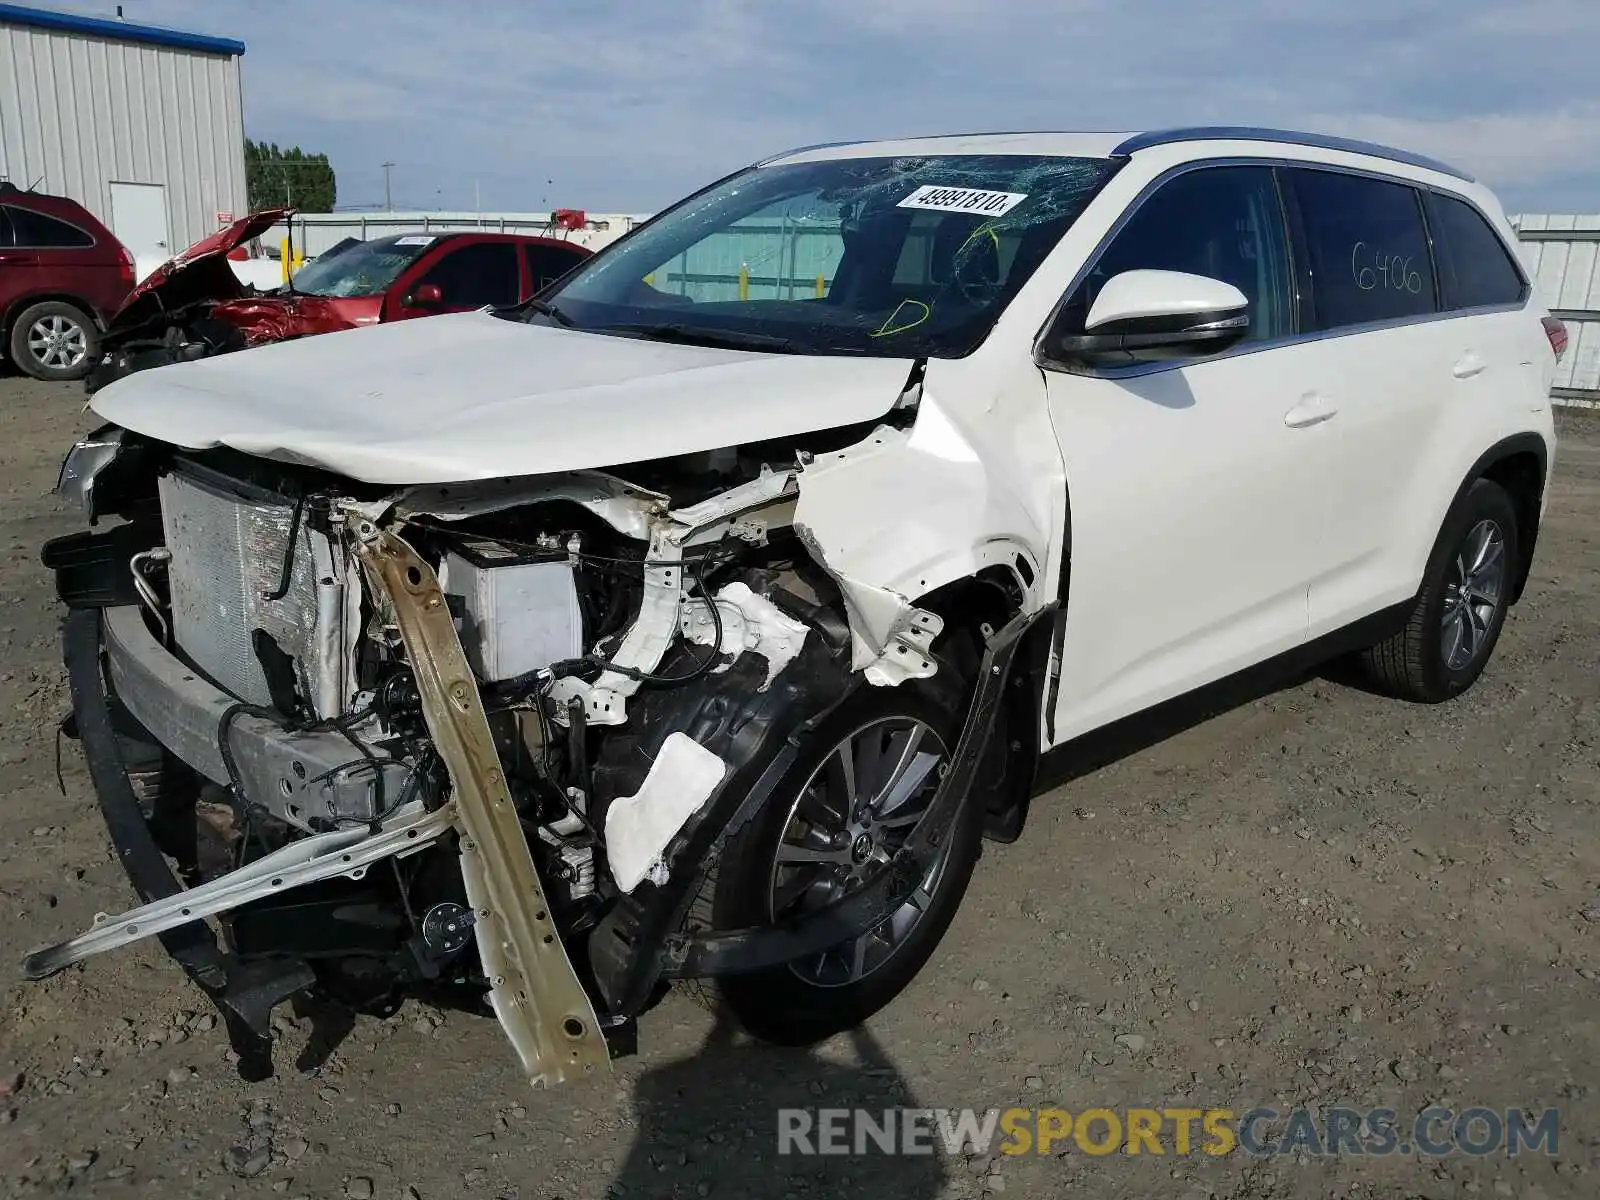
(62, 274)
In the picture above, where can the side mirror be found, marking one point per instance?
(1147, 316)
(426, 295)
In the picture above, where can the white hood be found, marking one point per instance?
(473, 396)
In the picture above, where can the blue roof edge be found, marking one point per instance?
(122, 31)
(1288, 137)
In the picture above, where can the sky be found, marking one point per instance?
(624, 107)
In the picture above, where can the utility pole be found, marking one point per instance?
(388, 196)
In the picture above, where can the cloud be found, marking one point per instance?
(625, 106)
(1520, 151)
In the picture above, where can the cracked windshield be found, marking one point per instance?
(364, 269)
(899, 257)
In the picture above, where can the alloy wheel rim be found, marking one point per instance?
(1473, 588)
(56, 342)
(860, 805)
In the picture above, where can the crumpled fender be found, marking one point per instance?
(904, 512)
(273, 318)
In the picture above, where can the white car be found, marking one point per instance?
(697, 619)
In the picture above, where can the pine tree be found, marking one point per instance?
(275, 176)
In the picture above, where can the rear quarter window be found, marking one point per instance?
(1367, 249)
(35, 230)
(1475, 267)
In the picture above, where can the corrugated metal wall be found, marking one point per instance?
(79, 111)
(1561, 254)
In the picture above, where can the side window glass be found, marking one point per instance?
(1475, 268)
(6, 239)
(1367, 249)
(1221, 222)
(546, 264)
(38, 231)
(476, 275)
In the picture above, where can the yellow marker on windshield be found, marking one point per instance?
(889, 326)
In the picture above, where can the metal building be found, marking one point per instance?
(141, 125)
(1563, 255)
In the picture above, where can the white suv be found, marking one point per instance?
(698, 618)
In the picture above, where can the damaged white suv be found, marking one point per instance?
(697, 619)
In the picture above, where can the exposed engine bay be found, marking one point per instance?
(482, 739)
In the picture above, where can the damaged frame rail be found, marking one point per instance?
(534, 991)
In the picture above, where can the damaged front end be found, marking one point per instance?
(194, 306)
(479, 741)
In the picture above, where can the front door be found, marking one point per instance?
(139, 219)
(468, 274)
(1195, 486)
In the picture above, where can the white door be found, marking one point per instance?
(1195, 487)
(139, 219)
(1419, 398)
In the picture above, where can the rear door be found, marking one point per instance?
(547, 262)
(469, 275)
(1384, 361)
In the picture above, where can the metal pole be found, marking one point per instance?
(388, 196)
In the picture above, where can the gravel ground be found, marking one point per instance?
(1320, 897)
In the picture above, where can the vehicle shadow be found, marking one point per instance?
(709, 1124)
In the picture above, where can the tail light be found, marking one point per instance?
(127, 266)
(1557, 333)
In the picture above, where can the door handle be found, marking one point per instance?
(1468, 365)
(1314, 408)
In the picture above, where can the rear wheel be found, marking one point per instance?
(55, 341)
(853, 798)
(1457, 616)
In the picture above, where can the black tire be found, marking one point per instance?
(780, 1005)
(48, 359)
(1412, 663)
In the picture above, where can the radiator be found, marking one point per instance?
(227, 557)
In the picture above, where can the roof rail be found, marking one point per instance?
(772, 158)
(1321, 141)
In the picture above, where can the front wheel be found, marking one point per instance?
(855, 796)
(1458, 614)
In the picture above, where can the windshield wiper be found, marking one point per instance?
(545, 309)
(701, 335)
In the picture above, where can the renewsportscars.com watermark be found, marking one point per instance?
(1257, 1132)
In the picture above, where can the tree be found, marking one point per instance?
(275, 176)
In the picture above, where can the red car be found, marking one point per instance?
(62, 273)
(195, 306)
